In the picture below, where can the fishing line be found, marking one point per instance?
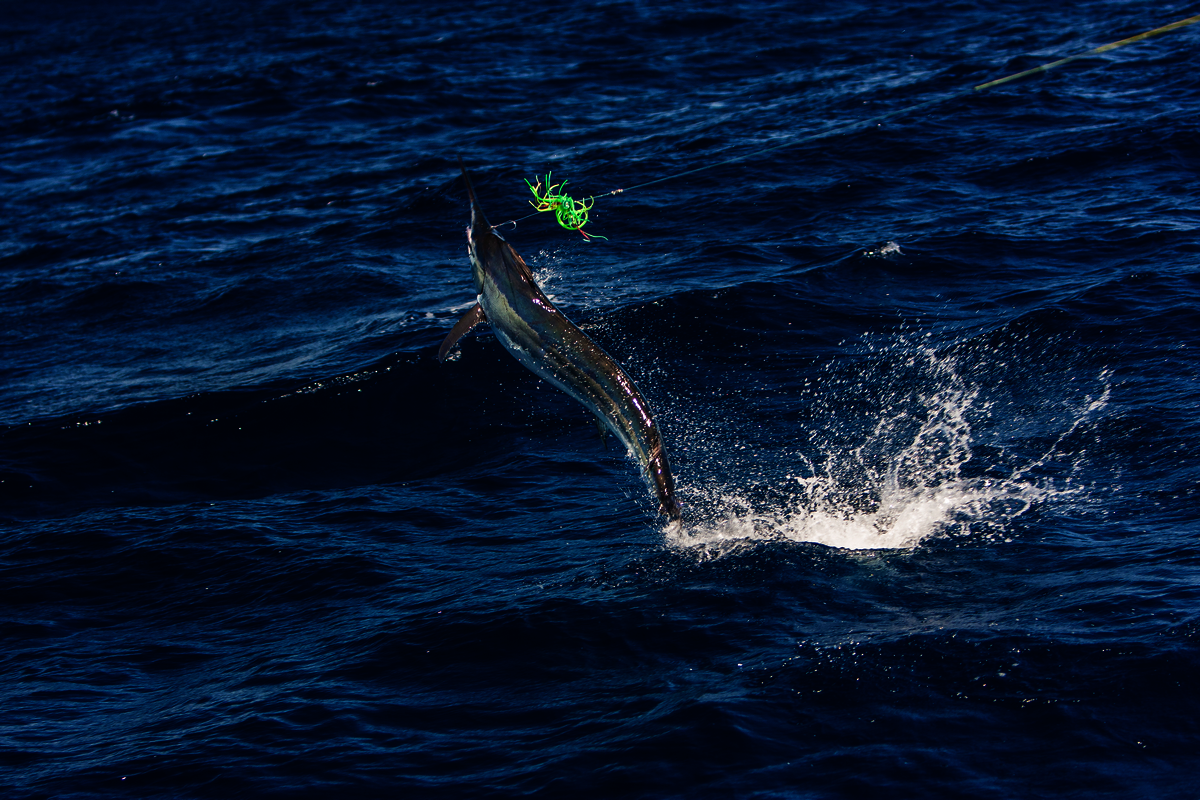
(573, 214)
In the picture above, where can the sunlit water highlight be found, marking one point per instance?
(902, 484)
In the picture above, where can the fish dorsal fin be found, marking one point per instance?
(519, 265)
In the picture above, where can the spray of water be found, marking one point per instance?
(909, 476)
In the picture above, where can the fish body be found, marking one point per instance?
(548, 344)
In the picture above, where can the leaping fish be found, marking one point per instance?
(539, 336)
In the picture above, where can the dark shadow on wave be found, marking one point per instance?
(406, 417)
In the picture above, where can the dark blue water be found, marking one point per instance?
(931, 390)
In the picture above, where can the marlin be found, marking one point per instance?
(547, 343)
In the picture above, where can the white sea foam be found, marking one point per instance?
(904, 482)
(883, 250)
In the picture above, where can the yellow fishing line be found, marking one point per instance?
(573, 214)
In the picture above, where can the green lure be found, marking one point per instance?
(571, 214)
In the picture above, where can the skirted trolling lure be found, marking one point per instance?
(571, 214)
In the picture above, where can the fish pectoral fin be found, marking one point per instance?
(461, 329)
(602, 430)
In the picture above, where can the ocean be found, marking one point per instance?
(929, 386)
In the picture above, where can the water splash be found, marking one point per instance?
(547, 272)
(907, 478)
(883, 251)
